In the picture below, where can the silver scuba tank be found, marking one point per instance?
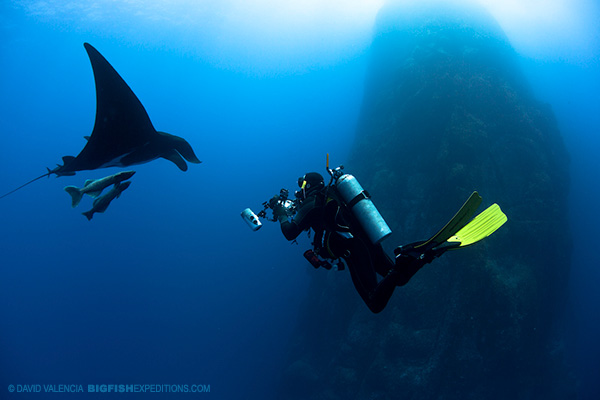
(359, 203)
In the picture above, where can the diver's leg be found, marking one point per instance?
(383, 263)
(403, 268)
(360, 257)
(410, 261)
(375, 295)
(406, 268)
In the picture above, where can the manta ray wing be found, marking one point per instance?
(122, 124)
(123, 134)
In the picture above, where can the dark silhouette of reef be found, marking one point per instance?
(447, 111)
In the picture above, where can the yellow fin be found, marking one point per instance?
(480, 227)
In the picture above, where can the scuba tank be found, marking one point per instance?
(359, 203)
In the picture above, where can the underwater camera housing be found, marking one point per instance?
(253, 219)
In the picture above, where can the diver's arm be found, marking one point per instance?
(291, 229)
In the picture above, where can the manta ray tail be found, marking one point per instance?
(25, 184)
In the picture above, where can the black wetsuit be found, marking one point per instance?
(364, 259)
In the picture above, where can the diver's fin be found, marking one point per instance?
(462, 218)
(481, 227)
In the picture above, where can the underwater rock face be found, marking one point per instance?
(447, 111)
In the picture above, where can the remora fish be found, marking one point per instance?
(102, 202)
(93, 187)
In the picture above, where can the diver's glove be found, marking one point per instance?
(278, 208)
(273, 202)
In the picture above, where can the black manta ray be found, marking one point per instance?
(123, 134)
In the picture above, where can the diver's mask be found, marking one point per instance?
(302, 184)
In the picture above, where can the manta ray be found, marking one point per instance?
(123, 134)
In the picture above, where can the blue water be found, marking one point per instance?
(574, 93)
(169, 286)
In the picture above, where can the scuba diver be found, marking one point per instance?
(348, 227)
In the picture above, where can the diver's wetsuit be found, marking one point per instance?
(364, 259)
